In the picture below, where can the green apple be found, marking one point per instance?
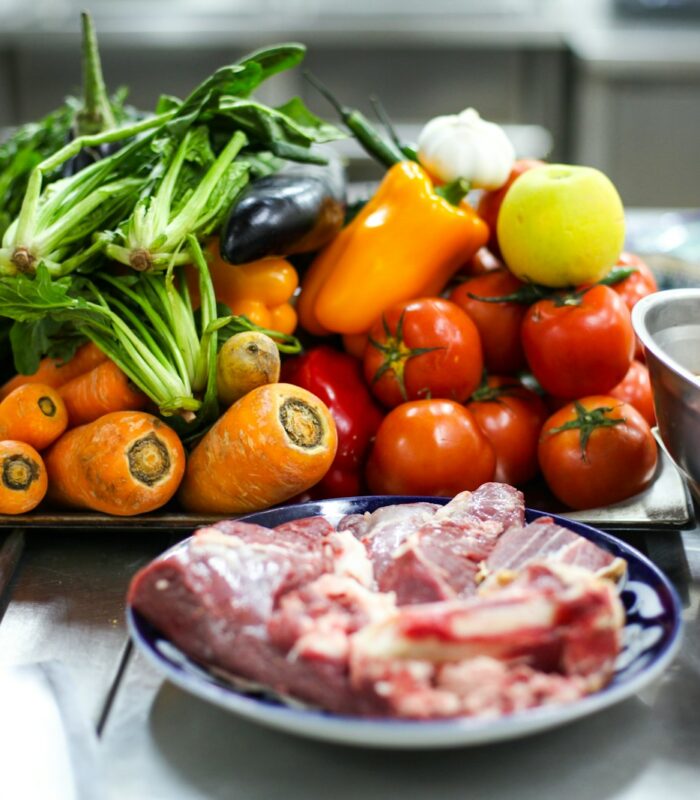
(561, 225)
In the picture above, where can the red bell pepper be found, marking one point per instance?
(336, 378)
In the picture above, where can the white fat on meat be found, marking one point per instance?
(552, 617)
(398, 520)
(349, 558)
(325, 612)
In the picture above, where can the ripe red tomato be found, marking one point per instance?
(429, 447)
(490, 202)
(423, 348)
(580, 346)
(639, 284)
(597, 451)
(512, 418)
(635, 389)
(498, 323)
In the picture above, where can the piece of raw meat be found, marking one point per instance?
(475, 687)
(426, 555)
(315, 621)
(544, 539)
(491, 502)
(551, 618)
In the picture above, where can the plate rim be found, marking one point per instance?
(419, 734)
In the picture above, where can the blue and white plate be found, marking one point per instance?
(651, 639)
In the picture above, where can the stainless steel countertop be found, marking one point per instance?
(66, 601)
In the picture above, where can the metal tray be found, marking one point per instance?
(665, 504)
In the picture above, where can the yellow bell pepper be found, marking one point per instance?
(405, 243)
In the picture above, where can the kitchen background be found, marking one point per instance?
(610, 83)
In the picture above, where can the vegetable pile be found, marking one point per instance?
(156, 265)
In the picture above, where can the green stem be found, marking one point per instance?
(454, 192)
(160, 327)
(140, 329)
(56, 233)
(114, 135)
(381, 112)
(286, 343)
(96, 114)
(159, 211)
(396, 354)
(616, 275)
(531, 293)
(162, 302)
(29, 212)
(386, 152)
(183, 222)
(206, 361)
(182, 317)
(148, 364)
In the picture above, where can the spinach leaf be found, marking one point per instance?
(31, 341)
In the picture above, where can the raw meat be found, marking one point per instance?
(543, 538)
(552, 617)
(384, 616)
(426, 554)
(215, 596)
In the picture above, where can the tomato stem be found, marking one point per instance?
(492, 394)
(588, 421)
(396, 354)
(532, 292)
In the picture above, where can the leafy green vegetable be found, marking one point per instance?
(149, 205)
(31, 144)
(55, 226)
(20, 154)
(182, 204)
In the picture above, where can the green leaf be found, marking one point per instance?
(31, 341)
(315, 128)
(271, 126)
(199, 149)
(22, 151)
(167, 102)
(28, 344)
(275, 59)
(233, 79)
(29, 299)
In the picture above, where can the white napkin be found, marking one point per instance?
(48, 748)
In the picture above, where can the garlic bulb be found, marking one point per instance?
(466, 146)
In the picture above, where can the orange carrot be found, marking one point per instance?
(275, 442)
(52, 372)
(34, 414)
(124, 463)
(102, 390)
(22, 477)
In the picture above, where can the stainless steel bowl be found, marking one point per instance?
(668, 324)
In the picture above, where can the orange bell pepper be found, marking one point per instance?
(260, 290)
(405, 243)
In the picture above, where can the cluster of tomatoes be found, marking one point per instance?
(503, 380)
